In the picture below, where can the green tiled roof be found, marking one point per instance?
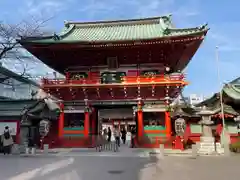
(122, 30)
(230, 90)
(16, 76)
(14, 107)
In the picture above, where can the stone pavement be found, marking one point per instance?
(124, 150)
(113, 168)
(180, 168)
(76, 168)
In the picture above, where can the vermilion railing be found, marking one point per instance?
(125, 79)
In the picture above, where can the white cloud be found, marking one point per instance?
(226, 42)
(140, 8)
(156, 7)
(44, 8)
(93, 7)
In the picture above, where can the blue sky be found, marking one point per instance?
(222, 16)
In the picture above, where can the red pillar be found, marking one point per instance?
(140, 120)
(86, 122)
(168, 124)
(67, 75)
(61, 121)
(113, 122)
(18, 133)
(93, 121)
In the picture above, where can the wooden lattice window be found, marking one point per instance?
(112, 62)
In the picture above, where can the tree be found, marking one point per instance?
(10, 49)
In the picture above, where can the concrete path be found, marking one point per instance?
(124, 150)
(114, 168)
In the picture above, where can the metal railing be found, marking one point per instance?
(101, 144)
(108, 146)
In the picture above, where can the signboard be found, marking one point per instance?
(150, 73)
(12, 127)
(112, 77)
(78, 75)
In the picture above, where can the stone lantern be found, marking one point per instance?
(206, 122)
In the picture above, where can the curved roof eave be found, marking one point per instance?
(70, 27)
(36, 42)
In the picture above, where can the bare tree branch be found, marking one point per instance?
(11, 49)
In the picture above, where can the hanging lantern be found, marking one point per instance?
(180, 126)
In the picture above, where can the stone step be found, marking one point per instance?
(207, 139)
(210, 143)
(207, 143)
(208, 146)
(210, 152)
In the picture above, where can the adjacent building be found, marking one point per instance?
(15, 86)
(15, 95)
(190, 100)
(194, 99)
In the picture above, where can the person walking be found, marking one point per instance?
(117, 135)
(109, 134)
(105, 134)
(124, 134)
(7, 141)
(133, 135)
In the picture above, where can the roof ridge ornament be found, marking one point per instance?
(168, 17)
(202, 27)
(166, 31)
(66, 23)
(56, 37)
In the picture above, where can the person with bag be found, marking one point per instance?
(7, 141)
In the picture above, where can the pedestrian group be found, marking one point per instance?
(119, 135)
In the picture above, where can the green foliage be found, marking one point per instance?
(169, 109)
(235, 147)
(58, 112)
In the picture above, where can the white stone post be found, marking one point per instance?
(15, 149)
(26, 148)
(161, 154)
(33, 151)
(45, 148)
(194, 150)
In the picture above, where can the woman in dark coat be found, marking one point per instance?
(109, 134)
(124, 134)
